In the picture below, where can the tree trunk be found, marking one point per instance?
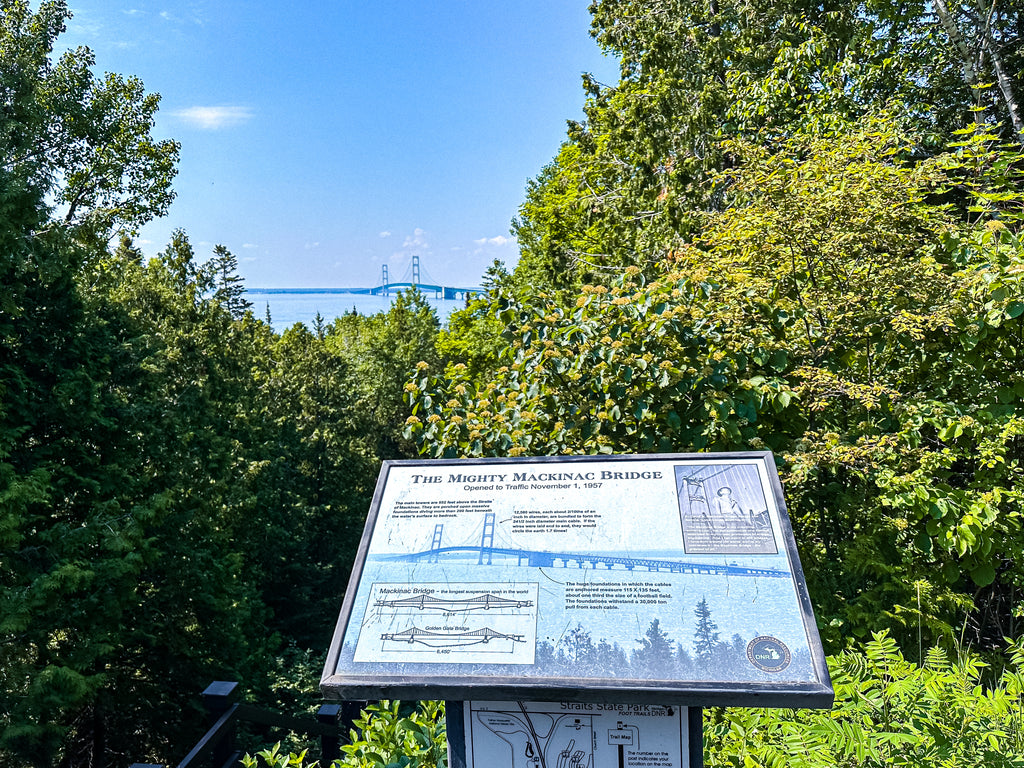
(1005, 84)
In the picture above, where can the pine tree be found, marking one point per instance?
(655, 657)
(230, 288)
(706, 637)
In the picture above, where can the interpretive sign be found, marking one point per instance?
(667, 579)
(502, 734)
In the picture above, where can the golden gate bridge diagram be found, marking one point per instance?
(449, 639)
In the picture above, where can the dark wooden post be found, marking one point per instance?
(217, 699)
(350, 711)
(330, 743)
(695, 725)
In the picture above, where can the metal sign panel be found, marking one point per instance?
(568, 735)
(668, 579)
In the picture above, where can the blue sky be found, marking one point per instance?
(322, 140)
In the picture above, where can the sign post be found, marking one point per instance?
(574, 611)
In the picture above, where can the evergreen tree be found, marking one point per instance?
(229, 288)
(654, 658)
(705, 638)
(579, 649)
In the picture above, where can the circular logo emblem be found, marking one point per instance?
(768, 654)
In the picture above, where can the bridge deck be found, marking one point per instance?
(564, 559)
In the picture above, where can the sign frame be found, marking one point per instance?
(815, 693)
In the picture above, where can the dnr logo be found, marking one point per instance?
(768, 654)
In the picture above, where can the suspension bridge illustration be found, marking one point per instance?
(449, 639)
(424, 602)
(487, 551)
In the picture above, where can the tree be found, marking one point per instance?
(705, 636)
(633, 179)
(229, 288)
(837, 312)
(307, 483)
(986, 39)
(579, 649)
(654, 657)
(382, 351)
(555, 244)
(79, 517)
(84, 142)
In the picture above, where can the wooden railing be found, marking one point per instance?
(218, 748)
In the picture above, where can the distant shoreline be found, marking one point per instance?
(301, 305)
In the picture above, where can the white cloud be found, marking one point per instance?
(416, 239)
(249, 245)
(194, 14)
(311, 246)
(486, 245)
(385, 233)
(214, 118)
(499, 240)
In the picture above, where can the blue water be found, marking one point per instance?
(295, 305)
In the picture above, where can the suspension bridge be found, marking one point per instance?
(413, 280)
(486, 552)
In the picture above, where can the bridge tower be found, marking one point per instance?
(694, 493)
(435, 545)
(415, 269)
(384, 278)
(487, 539)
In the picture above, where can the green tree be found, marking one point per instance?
(85, 142)
(632, 180)
(229, 288)
(382, 351)
(301, 501)
(78, 517)
(472, 336)
(836, 312)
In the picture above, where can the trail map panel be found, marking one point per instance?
(574, 735)
(667, 578)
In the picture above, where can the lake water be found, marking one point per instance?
(294, 305)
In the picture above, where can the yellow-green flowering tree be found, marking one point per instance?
(836, 312)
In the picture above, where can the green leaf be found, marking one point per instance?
(983, 574)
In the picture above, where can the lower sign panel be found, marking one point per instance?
(503, 734)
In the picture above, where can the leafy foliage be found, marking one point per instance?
(789, 226)
(172, 473)
(382, 351)
(889, 711)
(388, 734)
(630, 183)
(83, 140)
(837, 312)
(391, 735)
